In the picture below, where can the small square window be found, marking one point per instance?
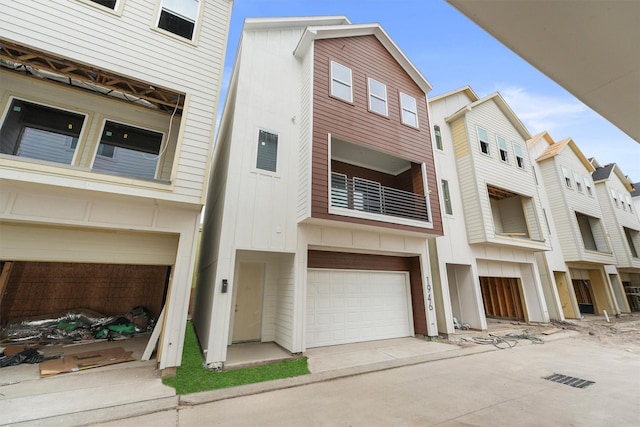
(519, 155)
(179, 17)
(438, 135)
(341, 82)
(377, 97)
(409, 108)
(567, 177)
(267, 151)
(483, 137)
(502, 146)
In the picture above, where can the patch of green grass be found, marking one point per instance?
(192, 377)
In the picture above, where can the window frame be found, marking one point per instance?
(117, 9)
(578, 181)
(80, 137)
(587, 185)
(503, 150)
(196, 22)
(404, 108)
(333, 79)
(160, 156)
(385, 100)
(519, 154)
(614, 194)
(258, 169)
(437, 133)
(567, 177)
(446, 197)
(483, 144)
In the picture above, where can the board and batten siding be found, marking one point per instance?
(352, 122)
(127, 44)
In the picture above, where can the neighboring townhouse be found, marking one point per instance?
(323, 195)
(107, 114)
(613, 190)
(492, 218)
(577, 224)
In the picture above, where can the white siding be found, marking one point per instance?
(306, 126)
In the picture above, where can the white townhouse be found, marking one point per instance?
(324, 193)
(107, 114)
(613, 190)
(580, 232)
(493, 222)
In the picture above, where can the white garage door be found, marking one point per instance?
(345, 306)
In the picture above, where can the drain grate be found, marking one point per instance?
(572, 381)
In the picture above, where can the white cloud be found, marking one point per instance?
(542, 112)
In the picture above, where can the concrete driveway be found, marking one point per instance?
(496, 388)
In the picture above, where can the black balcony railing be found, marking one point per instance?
(362, 195)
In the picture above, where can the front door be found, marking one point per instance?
(248, 309)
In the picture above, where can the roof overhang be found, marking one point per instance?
(353, 30)
(588, 47)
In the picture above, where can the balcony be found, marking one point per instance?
(363, 195)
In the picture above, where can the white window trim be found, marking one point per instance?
(500, 148)
(517, 147)
(488, 153)
(254, 157)
(566, 175)
(435, 137)
(385, 99)
(349, 83)
(196, 27)
(587, 185)
(404, 108)
(578, 181)
(614, 194)
(117, 10)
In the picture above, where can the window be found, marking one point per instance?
(567, 177)
(621, 198)
(341, 82)
(519, 156)
(587, 185)
(409, 110)
(267, 151)
(633, 239)
(502, 147)
(447, 198)
(128, 150)
(179, 17)
(483, 137)
(436, 132)
(339, 196)
(111, 4)
(39, 132)
(578, 181)
(377, 97)
(629, 204)
(614, 194)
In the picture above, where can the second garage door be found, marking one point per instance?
(352, 306)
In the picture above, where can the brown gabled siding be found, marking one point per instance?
(353, 122)
(353, 261)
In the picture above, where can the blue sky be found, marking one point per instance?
(451, 51)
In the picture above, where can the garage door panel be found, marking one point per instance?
(359, 306)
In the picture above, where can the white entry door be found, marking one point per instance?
(248, 309)
(346, 306)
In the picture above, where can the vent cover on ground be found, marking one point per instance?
(572, 381)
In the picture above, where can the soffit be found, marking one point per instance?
(588, 47)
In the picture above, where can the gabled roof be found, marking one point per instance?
(293, 22)
(555, 149)
(466, 89)
(346, 29)
(636, 189)
(537, 137)
(602, 173)
(504, 107)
